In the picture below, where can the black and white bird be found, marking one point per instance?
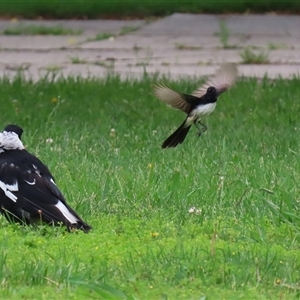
(28, 192)
(201, 103)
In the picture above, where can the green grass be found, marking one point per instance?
(125, 9)
(39, 30)
(243, 174)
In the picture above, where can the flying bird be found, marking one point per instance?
(28, 192)
(199, 104)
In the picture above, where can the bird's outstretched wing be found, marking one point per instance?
(172, 98)
(224, 78)
(30, 196)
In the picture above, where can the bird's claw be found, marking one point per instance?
(201, 131)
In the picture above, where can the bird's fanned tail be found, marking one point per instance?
(177, 137)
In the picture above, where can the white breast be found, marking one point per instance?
(205, 109)
(201, 111)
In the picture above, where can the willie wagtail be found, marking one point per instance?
(202, 102)
(28, 192)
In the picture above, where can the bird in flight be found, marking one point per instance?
(199, 104)
(28, 192)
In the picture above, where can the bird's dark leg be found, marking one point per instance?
(202, 129)
(40, 215)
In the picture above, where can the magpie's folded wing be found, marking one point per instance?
(42, 195)
(35, 196)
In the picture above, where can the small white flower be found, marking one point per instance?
(194, 210)
(221, 184)
(112, 132)
(49, 141)
(111, 38)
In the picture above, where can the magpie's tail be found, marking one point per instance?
(177, 137)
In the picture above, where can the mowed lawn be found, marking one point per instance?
(132, 9)
(101, 139)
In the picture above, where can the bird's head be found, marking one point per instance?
(10, 138)
(211, 94)
(15, 129)
(212, 91)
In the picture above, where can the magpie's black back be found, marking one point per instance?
(211, 96)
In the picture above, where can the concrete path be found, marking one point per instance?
(177, 46)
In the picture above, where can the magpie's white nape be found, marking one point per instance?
(28, 192)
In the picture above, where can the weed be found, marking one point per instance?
(40, 30)
(128, 29)
(103, 36)
(224, 35)
(250, 56)
(185, 47)
(276, 46)
(77, 60)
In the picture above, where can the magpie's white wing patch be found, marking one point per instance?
(8, 189)
(31, 183)
(67, 214)
(36, 170)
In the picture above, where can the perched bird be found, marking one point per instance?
(201, 103)
(28, 193)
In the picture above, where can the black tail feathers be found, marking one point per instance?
(177, 137)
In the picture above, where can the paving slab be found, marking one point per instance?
(199, 24)
(179, 45)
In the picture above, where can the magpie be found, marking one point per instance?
(202, 102)
(28, 192)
